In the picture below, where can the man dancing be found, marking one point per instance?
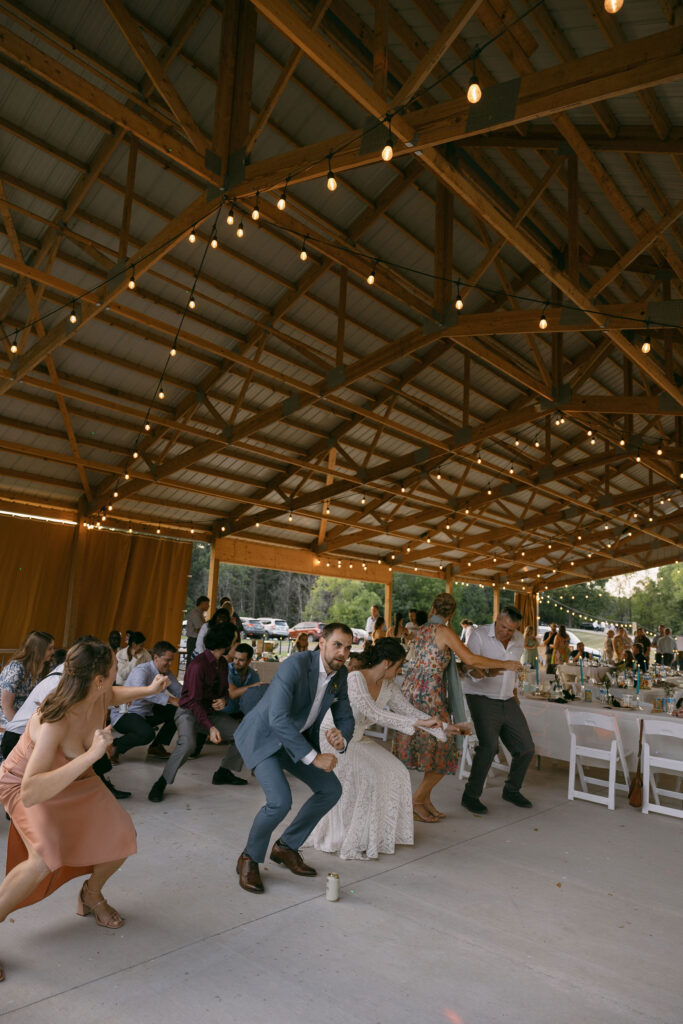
(282, 734)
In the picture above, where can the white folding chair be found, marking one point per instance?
(662, 752)
(611, 751)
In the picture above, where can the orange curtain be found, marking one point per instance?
(118, 581)
(34, 561)
(526, 604)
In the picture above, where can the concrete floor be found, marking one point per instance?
(564, 913)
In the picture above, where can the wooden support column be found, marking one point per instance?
(388, 590)
(449, 579)
(73, 589)
(214, 566)
(496, 603)
(232, 108)
(443, 247)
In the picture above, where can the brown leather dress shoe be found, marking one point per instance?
(291, 859)
(250, 876)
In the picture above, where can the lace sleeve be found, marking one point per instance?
(365, 706)
(400, 705)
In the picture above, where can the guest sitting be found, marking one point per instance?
(220, 616)
(411, 626)
(115, 640)
(244, 686)
(22, 672)
(578, 654)
(398, 629)
(15, 729)
(638, 657)
(300, 644)
(204, 694)
(138, 723)
(380, 630)
(134, 654)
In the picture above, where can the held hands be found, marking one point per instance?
(459, 728)
(335, 739)
(159, 683)
(325, 761)
(101, 741)
(214, 735)
(218, 704)
(427, 723)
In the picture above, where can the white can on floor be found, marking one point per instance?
(332, 887)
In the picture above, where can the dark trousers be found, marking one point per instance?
(137, 731)
(191, 644)
(494, 720)
(667, 659)
(8, 742)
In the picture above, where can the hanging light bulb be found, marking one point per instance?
(192, 237)
(388, 150)
(214, 240)
(282, 201)
(474, 89)
(543, 323)
(126, 476)
(362, 500)
(458, 299)
(192, 303)
(371, 276)
(613, 6)
(136, 455)
(73, 316)
(131, 281)
(230, 219)
(438, 474)
(646, 346)
(147, 427)
(116, 494)
(240, 230)
(255, 213)
(162, 394)
(303, 255)
(158, 529)
(478, 460)
(660, 451)
(290, 517)
(14, 348)
(173, 351)
(331, 180)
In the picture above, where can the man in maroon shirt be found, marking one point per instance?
(203, 697)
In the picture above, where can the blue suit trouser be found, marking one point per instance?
(271, 775)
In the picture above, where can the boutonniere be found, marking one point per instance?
(334, 685)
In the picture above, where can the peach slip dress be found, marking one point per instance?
(78, 828)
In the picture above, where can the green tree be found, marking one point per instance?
(660, 600)
(338, 600)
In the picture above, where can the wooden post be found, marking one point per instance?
(388, 587)
(449, 579)
(214, 566)
(496, 603)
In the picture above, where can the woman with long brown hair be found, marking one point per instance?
(21, 674)
(65, 823)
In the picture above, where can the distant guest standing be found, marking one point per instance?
(371, 620)
(195, 621)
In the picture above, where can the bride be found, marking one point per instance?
(375, 811)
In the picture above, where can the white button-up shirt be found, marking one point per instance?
(483, 641)
(323, 679)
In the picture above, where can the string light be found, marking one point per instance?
(173, 351)
(371, 276)
(474, 89)
(162, 394)
(511, 470)
(478, 459)
(136, 455)
(458, 299)
(131, 281)
(192, 237)
(14, 348)
(622, 442)
(255, 213)
(613, 6)
(126, 476)
(192, 304)
(73, 315)
(660, 451)
(388, 149)
(303, 255)
(331, 180)
(214, 240)
(158, 529)
(240, 230)
(543, 322)
(362, 500)
(282, 201)
(230, 219)
(147, 427)
(116, 494)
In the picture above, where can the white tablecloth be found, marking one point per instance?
(548, 725)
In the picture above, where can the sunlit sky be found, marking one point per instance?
(625, 585)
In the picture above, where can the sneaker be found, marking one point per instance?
(516, 798)
(224, 777)
(156, 793)
(474, 804)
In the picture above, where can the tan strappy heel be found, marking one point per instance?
(105, 916)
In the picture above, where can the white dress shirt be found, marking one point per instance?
(483, 641)
(323, 679)
(370, 624)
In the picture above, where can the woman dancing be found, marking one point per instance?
(375, 811)
(65, 823)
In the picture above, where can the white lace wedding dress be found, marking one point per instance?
(375, 811)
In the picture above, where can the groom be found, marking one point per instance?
(282, 734)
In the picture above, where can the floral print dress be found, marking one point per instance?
(426, 689)
(15, 679)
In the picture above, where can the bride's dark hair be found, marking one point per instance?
(387, 649)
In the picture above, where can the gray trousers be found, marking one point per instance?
(188, 728)
(493, 719)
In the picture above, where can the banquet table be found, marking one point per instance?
(548, 725)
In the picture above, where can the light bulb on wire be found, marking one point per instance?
(282, 201)
(192, 237)
(331, 180)
(255, 213)
(613, 6)
(240, 230)
(458, 299)
(474, 89)
(73, 316)
(303, 255)
(646, 346)
(230, 219)
(192, 303)
(371, 276)
(214, 240)
(131, 281)
(388, 149)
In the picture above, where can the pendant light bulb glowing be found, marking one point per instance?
(282, 201)
(192, 237)
(240, 230)
(331, 181)
(303, 255)
(613, 6)
(255, 213)
(474, 90)
(214, 241)
(230, 219)
(646, 346)
(131, 282)
(73, 316)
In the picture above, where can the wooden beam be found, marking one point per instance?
(380, 43)
(443, 249)
(573, 217)
(128, 200)
(296, 559)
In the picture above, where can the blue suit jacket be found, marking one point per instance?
(277, 719)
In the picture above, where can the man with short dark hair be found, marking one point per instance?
(411, 626)
(203, 697)
(371, 619)
(139, 722)
(195, 621)
(548, 641)
(666, 648)
(282, 733)
(496, 712)
(244, 685)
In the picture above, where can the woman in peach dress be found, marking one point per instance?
(65, 823)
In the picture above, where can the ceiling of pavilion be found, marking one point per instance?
(306, 407)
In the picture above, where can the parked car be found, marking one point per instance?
(277, 628)
(312, 629)
(359, 635)
(252, 628)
